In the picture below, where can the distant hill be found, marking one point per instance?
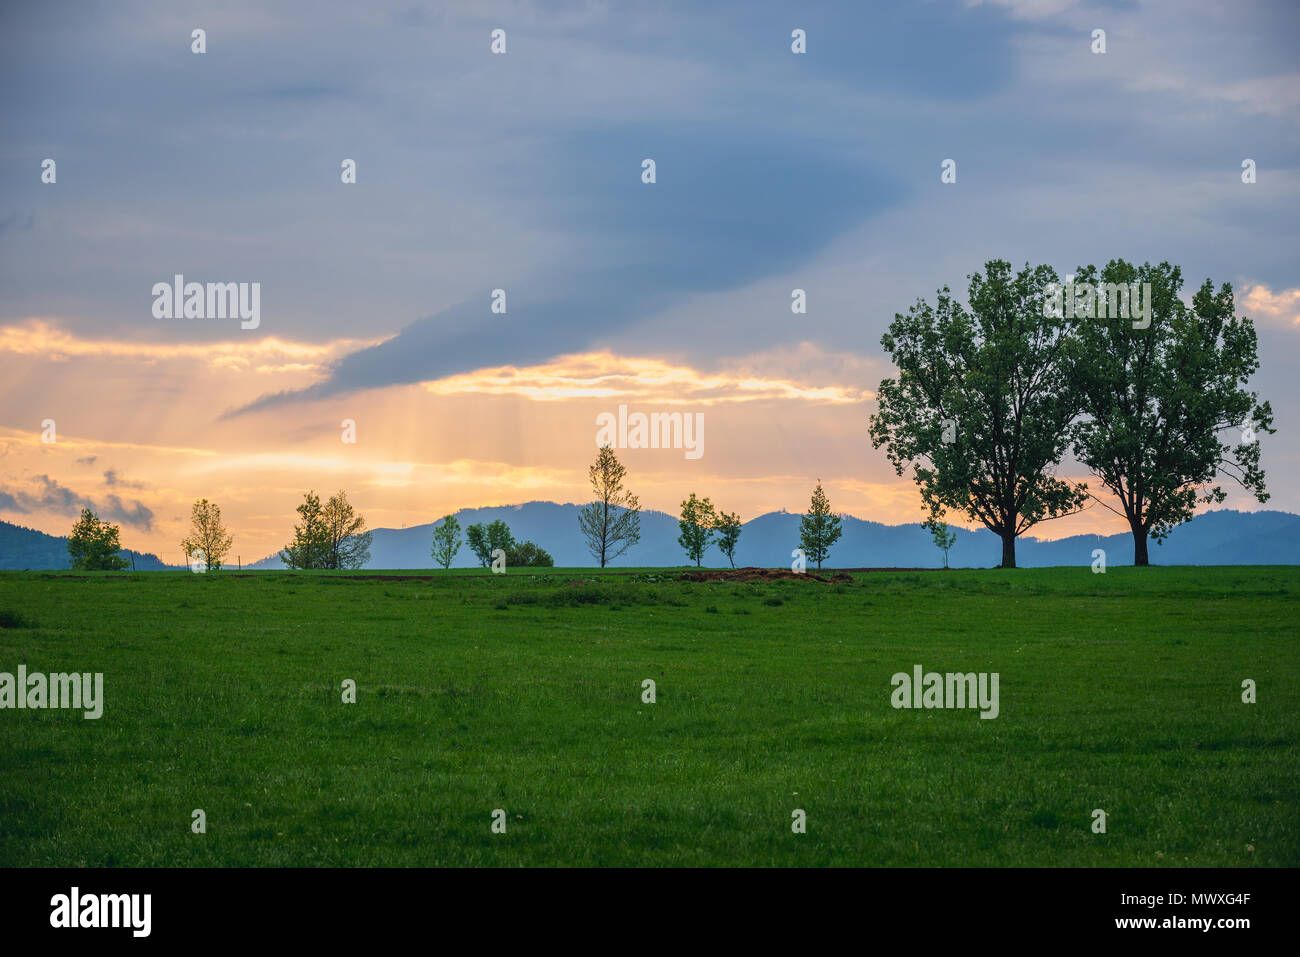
(23, 548)
(1222, 537)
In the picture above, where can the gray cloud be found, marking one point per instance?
(111, 478)
(50, 496)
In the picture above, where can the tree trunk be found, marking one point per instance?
(1139, 545)
(1008, 550)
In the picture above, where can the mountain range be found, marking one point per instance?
(23, 548)
(1223, 537)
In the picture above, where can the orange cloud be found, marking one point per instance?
(603, 375)
(1282, 306)
(43, 337)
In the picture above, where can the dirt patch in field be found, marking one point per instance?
(759, 575)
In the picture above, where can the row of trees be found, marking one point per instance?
(95, 545)
(483, 541)
(332, 535)
(611, 524)
(990, 398)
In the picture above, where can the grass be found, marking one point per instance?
(523, 692)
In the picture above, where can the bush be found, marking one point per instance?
(527, 555)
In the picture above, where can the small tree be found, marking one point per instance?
(485, 539)
(819, 529)
(943, 539)
(310, 547)
(208, 535)
(696, 526)
(446, 541)
(728, 529)
(612, 523)
(93, 545)
(476, 535)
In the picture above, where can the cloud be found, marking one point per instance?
(722, 213)
(1282, 306)
(113, 479)
(47, 339)
(604, 375)
(50, 496)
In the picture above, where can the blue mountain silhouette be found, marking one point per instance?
(1222, 537)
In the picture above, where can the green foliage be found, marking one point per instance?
(528, 555)
(94, 546)
(998, 377)
(727, 526)
(1159, 400)
(446, 541)
(485, 539)
(476, 536)
(310, 546)
(345, 533)
(612, 523)
(208, 538)
(696, 526)
(943, 539)
(330, 536)
(819, 529)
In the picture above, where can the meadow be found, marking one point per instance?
(524, 692)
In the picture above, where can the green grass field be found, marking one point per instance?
(523, 692)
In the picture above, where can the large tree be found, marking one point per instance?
(612, 523)
(982, 403)
(94, 546)
(820, 528)
(696, 527)
(1166, 407)
(208, 537)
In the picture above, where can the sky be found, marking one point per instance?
(522, 171)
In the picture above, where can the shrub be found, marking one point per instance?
(527, 555)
